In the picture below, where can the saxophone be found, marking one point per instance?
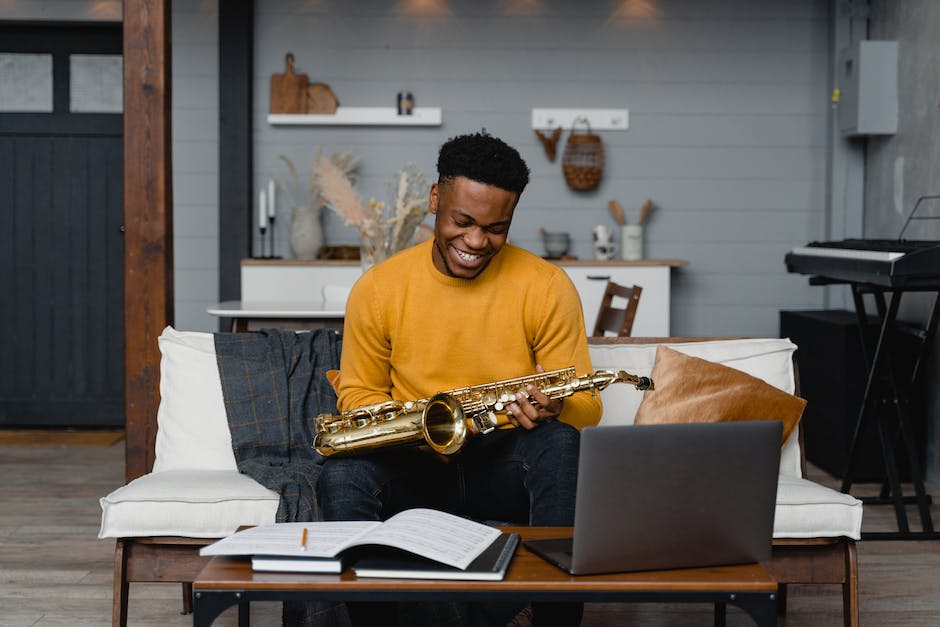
(445, 420)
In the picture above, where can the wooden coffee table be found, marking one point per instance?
(225, 582)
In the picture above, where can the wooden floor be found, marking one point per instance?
(54, 570)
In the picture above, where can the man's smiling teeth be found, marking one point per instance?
(467, 257)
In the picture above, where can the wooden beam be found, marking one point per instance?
(148, 221)
(236, 219)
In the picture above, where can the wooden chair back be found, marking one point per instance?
(614, 319)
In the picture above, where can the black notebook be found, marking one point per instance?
(491, 565)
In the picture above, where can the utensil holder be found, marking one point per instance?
(631, 242)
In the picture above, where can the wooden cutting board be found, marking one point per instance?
(289, 90)
(321, 99)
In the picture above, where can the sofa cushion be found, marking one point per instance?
(189, 503)
(192, 427)
(808, 510)
(690, 389)
(768, 359)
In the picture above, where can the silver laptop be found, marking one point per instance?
(654, 497)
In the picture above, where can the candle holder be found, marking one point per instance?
(262, 230)
(271, 254)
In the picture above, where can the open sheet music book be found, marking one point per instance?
(322, 546)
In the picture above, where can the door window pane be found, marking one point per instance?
(25, 82)
(96, 83)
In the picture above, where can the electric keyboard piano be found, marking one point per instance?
(883, 262)
(882, 268)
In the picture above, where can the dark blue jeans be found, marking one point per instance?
(511, 476)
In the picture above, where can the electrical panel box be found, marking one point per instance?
(868, 85)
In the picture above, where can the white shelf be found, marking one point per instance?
(362, 116)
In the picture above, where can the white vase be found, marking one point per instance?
(306, 232)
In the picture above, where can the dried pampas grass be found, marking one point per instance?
(344, 160)
(384, 230)
(338, 192)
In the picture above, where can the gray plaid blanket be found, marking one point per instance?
(273, 384)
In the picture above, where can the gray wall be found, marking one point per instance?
(728, 105)
(195, 50)
(905, 166)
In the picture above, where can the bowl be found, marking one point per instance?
(556, 244)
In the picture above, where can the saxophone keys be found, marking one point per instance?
(485, 423)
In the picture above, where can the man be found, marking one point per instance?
(466, 308)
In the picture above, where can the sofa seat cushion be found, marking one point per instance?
(189, 503)
(806, 509)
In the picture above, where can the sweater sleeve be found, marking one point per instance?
(365, 363)
(560, 341)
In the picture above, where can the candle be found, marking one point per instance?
(271, 197)
(262, 212)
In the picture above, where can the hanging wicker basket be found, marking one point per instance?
(583, 161)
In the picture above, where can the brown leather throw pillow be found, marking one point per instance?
(690, 389)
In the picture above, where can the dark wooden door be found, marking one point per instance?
(61, 249)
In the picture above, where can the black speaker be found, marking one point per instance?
(832, 380)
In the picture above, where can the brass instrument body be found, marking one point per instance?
(445, 420)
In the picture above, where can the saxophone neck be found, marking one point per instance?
(600, 379)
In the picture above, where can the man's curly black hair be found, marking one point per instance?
(485, 159)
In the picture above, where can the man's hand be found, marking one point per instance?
(524, 414)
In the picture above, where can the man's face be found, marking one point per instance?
(471, 222)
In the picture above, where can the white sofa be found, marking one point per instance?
(195, 492)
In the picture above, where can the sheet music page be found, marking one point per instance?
(437, 535)
(323, 539)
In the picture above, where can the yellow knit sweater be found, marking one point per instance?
(411, 331)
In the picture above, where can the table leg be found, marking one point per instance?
(207, 605)
(761, 606)
(721, 614)
(244, 614)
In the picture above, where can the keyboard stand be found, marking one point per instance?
(884, 383)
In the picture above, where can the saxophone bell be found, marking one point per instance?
(444, 424)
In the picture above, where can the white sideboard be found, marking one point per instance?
(280, 281)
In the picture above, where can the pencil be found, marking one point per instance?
(303, 540)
